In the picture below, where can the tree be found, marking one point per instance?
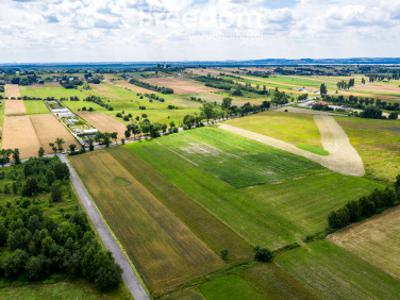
(56, 192)
(397, 184)
(72, 148)
(61, 171)
(263, 254)
(41, 152)
(393, 116)
(5, 156)
(323, 90)
(60, 142)
(114, 136)
(107, 274)
(91, 144)
(226, 103)
(30, 187)
(16, 157)
(371, 112)
(3, 234)
(224, 254)
(53, 147)
(207, 111)
(36, 267)
(127, 133)
(14, 263)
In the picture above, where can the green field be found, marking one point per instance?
(51, 90)
(272, 215)
(35, 107)
(378, 143)
(297, 129)
(333, 273)
(164, 250)
(59, 290)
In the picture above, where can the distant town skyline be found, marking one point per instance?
(172, 30)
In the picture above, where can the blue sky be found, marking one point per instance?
(164, 30)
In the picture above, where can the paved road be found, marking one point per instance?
(135, 286)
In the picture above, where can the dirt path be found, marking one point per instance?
(128, 275)
(342, 158)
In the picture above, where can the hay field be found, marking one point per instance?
(377, 142)
(163, 248)
(48, 129)
(14, 107)
(52, 90)
(180, 86)
(209, 165)
(376, 240)
(12, 91)
(18, 132)
(334, 273)
(29, 133)
(104, 122)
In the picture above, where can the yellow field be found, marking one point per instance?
(164, 250)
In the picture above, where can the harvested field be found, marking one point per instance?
(48, 129)
(12, 91)
(377, 240)
(104, 123)
(163, 248)
(18, 132)
(14, 107)
(180, 86)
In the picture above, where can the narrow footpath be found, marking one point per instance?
(129, 277)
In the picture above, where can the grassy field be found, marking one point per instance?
(223, 157)
(297, 129)
(35, 107)
(164, 250)
(378, 143)
(333, 273)
(260, 281)
(376, 240)
(51, 90)
(59, 290)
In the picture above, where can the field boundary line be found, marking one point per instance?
(130, 275)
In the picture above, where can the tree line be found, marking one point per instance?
(365, 207)
(160, 89)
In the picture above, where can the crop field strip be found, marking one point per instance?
(257, 221)
(334, 273)
(165, 251)
(209, 228)
(376, 240)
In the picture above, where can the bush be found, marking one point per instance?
(263, 254)
(56, 192)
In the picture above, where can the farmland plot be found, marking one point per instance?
(180, 86)
(48, 129)
(210, 165)
(103, 122)
(376, 240)
(12, 91)
(165, 251)
(334, 273)
(18, 132)
(14, 107)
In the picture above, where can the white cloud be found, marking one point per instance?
(62, 30)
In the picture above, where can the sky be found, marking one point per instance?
(185, 30)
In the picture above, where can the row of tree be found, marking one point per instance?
(361, 102)
(160, 89)
(365, 207)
